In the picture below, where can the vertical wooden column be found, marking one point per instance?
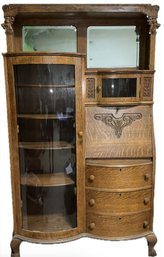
(154, 25)
(7, 25)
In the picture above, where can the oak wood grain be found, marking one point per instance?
(105, 202)
(134, 142)
(119, 177)
(118, 226)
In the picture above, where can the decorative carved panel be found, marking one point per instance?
(90, 88)
(7, 25)
(154, 25)
(147, 87)
(118, 123)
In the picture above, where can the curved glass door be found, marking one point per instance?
(45, 98)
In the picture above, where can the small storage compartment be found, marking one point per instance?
(119, 226)
(119, 132)
(119, 174)
(114, 202)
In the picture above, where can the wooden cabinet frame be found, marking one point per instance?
(97, 165)
(10, 61)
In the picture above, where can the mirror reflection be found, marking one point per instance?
(112, 46)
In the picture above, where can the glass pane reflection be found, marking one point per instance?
(45, 98)
(112, 46)
(49, 38)
(122, 87)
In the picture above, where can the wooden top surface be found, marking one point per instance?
(73, 9)
(11, 54)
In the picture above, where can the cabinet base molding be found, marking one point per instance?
(18, 239)
(151, 241)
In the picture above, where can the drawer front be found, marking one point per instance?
(105, 202)
(119, 132)
(119, 178)
(118, 226)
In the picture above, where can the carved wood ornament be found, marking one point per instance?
(7, 25)
(154, 25)
(90, 87)
(147, 87)
(118, 123)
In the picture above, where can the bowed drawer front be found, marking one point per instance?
(124, 177)
(118, 226)
(112, 202)
(119, 132)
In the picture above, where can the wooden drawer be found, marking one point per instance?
(119, 132)
(118, 226)
(115, 178)
(105, 202)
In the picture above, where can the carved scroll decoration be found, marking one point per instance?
(147, 87)
(7, 25)
(154, 25)
(118, 123)
(90, 88)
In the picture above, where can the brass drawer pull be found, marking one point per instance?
(92, 225)
(146, 200)
(145, 224)
(146, 177)
(91, 178)
(92, 202)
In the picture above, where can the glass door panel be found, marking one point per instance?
(45, 98)
(121, 87)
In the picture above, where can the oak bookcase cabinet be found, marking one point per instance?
(79, 86)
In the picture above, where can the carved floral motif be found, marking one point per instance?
(7, 25)
(147, 87)
(118, 123)
(154, 25)
(90, 87)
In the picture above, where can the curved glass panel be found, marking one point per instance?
(122, 87)
(49, 38)
(45, 98)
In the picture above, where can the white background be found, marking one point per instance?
(85, 247)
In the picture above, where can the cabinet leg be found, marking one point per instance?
(15, 244)
(151, 241)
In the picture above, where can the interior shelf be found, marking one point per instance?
(45, 116)
(45, 145)
(46, 180)
(48, 223)
(48, 86)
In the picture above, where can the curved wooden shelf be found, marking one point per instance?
(45, 145)
(46, 223)
(46, 180)
(118, 162)
(45, 116)
(47, 86)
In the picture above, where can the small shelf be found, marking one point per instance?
(45, 116)
(46, 223)
(46, 86)
(46, 180)
(45, 145)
